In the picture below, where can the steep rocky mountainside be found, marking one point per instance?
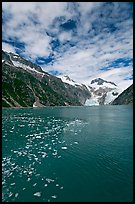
(25, 84)
(126, 97)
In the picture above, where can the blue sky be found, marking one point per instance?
(84, 40)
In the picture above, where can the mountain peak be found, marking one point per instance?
(19, 61)
(100, 81)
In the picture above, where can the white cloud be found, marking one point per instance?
(8, 48)
(64, 36)
(94, 48)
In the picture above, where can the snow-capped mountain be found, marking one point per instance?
(22, 78)
(68, 80)
(102, 92)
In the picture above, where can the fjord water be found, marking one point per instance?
(67, 154)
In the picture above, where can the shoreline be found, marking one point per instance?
(131, 104)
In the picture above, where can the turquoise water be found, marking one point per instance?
(67, 154)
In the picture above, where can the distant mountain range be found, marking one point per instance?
(25, 84)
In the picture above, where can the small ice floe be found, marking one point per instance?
(16, 195)
(63, 147)
(46, 185)
(24, 189)
(34, 184)
(46, 145)
(54, 196)
(12, 184)
(49, 180)
(10, 194)
(36, 159)
(28, 179)
(54, 153)
(37, 175)
(75, 142)
(57, 184)
(38, 194)
(44, 155)
(59, 157)
(38, 137)
(30, 172)
(21, 125)
(61, 187)
(19, 153)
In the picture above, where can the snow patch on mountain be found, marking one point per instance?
(110, 96)
(66, 79)
(102, 92)
(25, 67)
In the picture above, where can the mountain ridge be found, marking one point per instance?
(25, 84)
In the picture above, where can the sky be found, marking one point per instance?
(84, 40)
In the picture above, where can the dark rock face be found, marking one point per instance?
(115, 93)
(126, 97)
(101, 81)
(25, 88)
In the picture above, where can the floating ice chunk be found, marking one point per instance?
(63, 147)
(38, 137)
(10, 194)
(44, 155)
(24, 189)
(16, 195)
(75, 142)
(38, 194)
(30, 172)
(49, 180)
(12, 184)
(54, 196)
(37, 175)
(59, 157)
(21, 125)
(34, 184)
(46, 145)
(61, 187)
(57, 184)
(54, 153)
(28, 179)
(19, 153)
(46, 185)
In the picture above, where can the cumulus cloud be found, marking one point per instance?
(7, 47)
(85, 40)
